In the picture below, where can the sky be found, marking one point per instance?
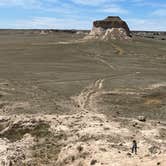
(79, 14)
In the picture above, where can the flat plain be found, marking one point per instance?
(76, 95)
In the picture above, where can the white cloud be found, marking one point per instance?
(147, 24)
(89, 2)
(115, 9)
(22, 3)
(51, 23)
(159, 12)
(149, 3)
(95, 2)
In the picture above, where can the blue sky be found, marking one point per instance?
(79, 14)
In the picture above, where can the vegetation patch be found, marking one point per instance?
(16, 132)
(152, 101)
(47, 149)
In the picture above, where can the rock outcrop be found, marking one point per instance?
(113, 27)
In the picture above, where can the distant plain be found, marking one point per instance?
(60, 67)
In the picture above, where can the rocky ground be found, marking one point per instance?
(86, 137)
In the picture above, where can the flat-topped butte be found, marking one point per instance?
(112, 22)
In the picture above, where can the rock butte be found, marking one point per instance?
(113, 27)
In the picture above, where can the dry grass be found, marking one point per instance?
(153, 102)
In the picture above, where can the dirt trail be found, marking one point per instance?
(100, 59)
(118, 49)
(84, 97)
(59, 43)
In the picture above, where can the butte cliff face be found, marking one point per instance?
(113, 27)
